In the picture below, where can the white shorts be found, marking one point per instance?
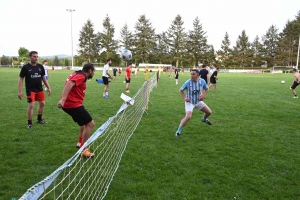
(189, 106)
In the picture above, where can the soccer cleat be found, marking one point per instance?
(207, 121)
(295, 97)
(127, 91)
(41, 121)
(86, 153)
(105, 97)
(29, 126)
(177, 134)
(78, 145)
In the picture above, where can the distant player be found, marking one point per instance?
(176, 75)
(296, 82)
(214, 78)
(204, 74)
(47, 73)
(105, 76)
(194, 99)
(127, 76)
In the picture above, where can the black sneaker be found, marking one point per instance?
(41, 121)
(207, 121)
(29, 126)
(177, 134)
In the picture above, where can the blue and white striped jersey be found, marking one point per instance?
(194, 89)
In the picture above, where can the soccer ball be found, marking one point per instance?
(126, 54)
(282, 82)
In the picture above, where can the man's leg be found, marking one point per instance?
(40, 112)
(30, 114)
(183, 122)
(207, 112)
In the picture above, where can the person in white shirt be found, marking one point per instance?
(47, 73)
(105, 76)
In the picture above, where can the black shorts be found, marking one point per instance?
(176, 76)
(105, 80)
(213, 81)
(127, 80)
(295, 84)
(115, 73)
(79, 115)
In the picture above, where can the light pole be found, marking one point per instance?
(71, 11)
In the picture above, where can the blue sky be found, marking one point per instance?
(45, 25)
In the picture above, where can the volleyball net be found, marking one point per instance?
(89, 178)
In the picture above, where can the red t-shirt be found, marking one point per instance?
(76, 95)
(128, 72)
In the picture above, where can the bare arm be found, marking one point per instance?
(20, 85)
(184, 96)
(65, 93)
(47, 84)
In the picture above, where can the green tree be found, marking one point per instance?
(270, 40)
(89, 47)
(177, 39)
(109, 45)
(288, 42)
(5, 60)
(242, 52)
(23, 54)
(56, 61)
(257, 51)
(162, 51)
(145, 39)
(126, 41)
(225, 53)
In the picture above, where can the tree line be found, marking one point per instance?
(179, 47)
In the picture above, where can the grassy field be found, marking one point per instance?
(250, 152)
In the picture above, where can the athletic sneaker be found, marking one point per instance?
(78, 145)
(127, 91)
(86, 153)
(105, 97)
(207, 121)
(295, 97)
(29, 126)
(177, 134)
(41, 121)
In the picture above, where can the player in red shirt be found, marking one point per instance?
(127, 76)
(71, 102)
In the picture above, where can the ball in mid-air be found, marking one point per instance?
(126, 54)
(282, 82)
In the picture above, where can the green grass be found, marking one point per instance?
(250, 152)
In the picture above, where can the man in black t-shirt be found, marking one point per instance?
(34, 74)
(204, 74)
(214, 78)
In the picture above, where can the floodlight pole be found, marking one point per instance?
(298, 53)
(71, 11)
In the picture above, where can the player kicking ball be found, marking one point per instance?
(196, 90)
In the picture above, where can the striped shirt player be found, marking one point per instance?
(196, 90)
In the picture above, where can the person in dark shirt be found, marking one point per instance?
(204, 73)
(176, 75)
(34, 74)
(214, 78)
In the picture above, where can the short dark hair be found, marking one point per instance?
(195, 70)
(203, 66)
(218, 68)
(87, 67)
(108, 60)
(294, 70)
(129, 64)
(32, 52)
(45, 61)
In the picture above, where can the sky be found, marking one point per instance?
(45, 25)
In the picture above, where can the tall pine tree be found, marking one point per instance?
(177, 39)
(145, 39)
